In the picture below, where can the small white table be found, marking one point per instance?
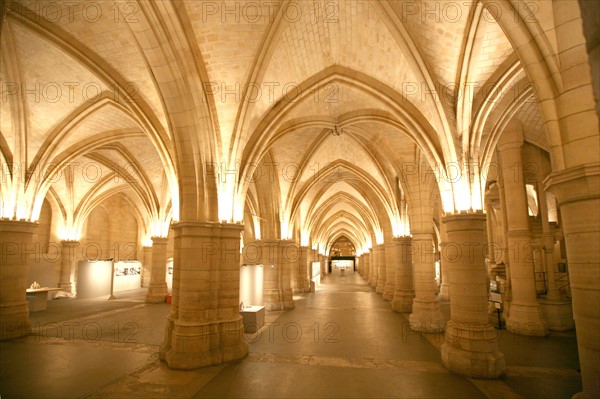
(38, 298)
(253, 317)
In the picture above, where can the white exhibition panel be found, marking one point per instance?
(127, 276)
(93, 278)
(316, 273)
(169, 275)
(251, 285)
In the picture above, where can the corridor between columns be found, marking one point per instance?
(342, 341)
(345, 341)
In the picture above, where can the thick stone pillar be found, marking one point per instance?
(67, 264)
(303, 283)
(294, 273)
(366, 265)
(374, 275)
(577, 191)
(157, 290)
(277, 266)
(390, 271)
(404, 289)
(146, 266)
(470, 346)
(381, 273)
(557, 311)
(205, 327)
(445, 287)
(426, 315)
(525, 315)
(15, 245)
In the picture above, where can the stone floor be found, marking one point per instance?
(342, 341)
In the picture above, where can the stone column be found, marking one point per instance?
(366, 265)
(445, 288)
(390, 271)
(557, 311)
(374, 267)
(303, 270)
(381, 273)
(157, 290)
(426, 315)
(15, 244)
(525, 315)
(470, 346)
(204, 327)
(67, 264)
(277, 290)
(289, 261)
(295, 285)
(404, 289)
(577, 191)
(547, 244)
(146, 266)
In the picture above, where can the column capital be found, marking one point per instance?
(20, 226)
(207, 229)
(159, 240)
(575, 184)
(69, 243)
(422, 236)
(463, 221)
(402, 239)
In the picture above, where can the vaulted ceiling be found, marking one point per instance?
(321, 106)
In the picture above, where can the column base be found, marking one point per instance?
(278, 299)
(380, 286)
(14, 320)
(403, 301)
(195, 345)
(66, 287)
(526, 319)
(426, 317)
(373, 283)
(166, 343)
(388, 292)
(302, 286)
(557, 314)
(471, 349)
(157, 293)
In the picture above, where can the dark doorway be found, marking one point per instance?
(352, 258)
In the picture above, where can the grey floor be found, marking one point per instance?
(343, 341)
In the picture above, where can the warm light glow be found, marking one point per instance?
(238, 212)
(175, 204)
(286, 234)
(401, 228)
(69, 232)
(147, 241)
(462, 190)
(397, 226)
(159, 228)
(379, 237)
(447, 199)
(226, 205)
(257, 232)
(304, 238)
